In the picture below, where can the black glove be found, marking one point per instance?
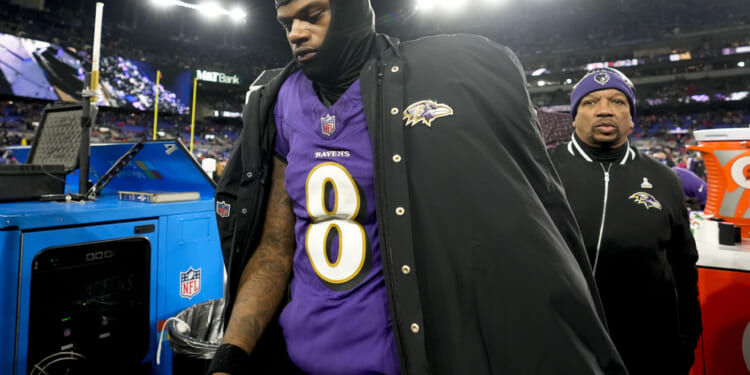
(230, 359)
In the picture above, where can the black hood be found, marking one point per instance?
(349, 43)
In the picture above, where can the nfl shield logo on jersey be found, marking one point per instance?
(222, 209)
(328, 125)
(190, 283)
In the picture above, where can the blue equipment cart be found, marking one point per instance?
(89, 284)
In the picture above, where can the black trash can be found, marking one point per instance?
(194, 342)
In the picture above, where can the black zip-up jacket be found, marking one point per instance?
(484, 265)
(636, 230)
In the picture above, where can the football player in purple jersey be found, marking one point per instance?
(391, 209)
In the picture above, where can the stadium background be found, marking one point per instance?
(689, 60)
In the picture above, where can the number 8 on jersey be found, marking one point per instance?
(333, 204)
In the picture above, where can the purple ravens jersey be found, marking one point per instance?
(338, 320)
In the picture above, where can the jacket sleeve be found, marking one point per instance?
(237, 198)
(227, 191)
(530, 150)
(682, 255)
(242, 189)
(522, 138)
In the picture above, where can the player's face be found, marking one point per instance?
(306, 24)
(603, 118)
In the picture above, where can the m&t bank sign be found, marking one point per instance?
(217, 77)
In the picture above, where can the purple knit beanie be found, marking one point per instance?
(602, 79)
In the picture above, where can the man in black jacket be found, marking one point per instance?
(635, 227)
(405, 191)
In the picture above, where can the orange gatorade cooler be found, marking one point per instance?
(726, 153)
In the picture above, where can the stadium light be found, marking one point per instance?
(449, 6)
(425, 4)
(209, 10)
(237, 14)
(162, 3)
(453, 4)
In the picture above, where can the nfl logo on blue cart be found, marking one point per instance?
(190, 283)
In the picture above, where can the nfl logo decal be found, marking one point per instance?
(222, 209)
(328, 125)
(190, 283)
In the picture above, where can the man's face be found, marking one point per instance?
(306, 24)
(603, 118)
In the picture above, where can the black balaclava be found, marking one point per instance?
(349, 43)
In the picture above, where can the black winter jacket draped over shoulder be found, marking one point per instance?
(498, 281)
